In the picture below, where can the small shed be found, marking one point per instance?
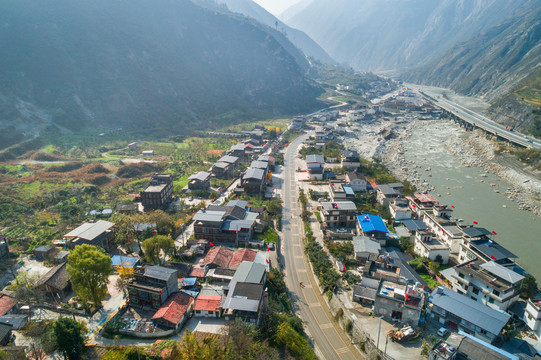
(42, 253)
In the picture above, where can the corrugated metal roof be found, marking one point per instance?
(207, 215)
(229, 159)
(315, 159)
(414, 225)
(259, 164)
(475, 231)
(348, 190)
(250, 272)
(491, 249)
(502, 272)
(239, 203)
(159, 272)
(90, 231)
(465, 308)
(387, 190)
(370, 223)
(237, 225)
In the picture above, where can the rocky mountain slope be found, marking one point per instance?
(382, 35)
(297, 37)
(74, 65)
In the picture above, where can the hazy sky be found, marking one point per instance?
(276, 7)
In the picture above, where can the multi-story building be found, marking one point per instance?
(339, 191)
(399, 209)
(426, 245)
(350, 160)
(199, 181)
(356, 181)
(225, 224)
(421, 202)
(487, 250)
(152, 287)
(459, 312)
(386, 193)
(532, 314)
(398, 301)
(488, 283)
(316, 165)
(158, 192)
(339, 214)
(253, 181)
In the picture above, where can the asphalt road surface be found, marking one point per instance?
(329, 339)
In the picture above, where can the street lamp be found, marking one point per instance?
(379, 330)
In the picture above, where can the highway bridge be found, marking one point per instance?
(472, 119)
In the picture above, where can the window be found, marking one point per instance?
(461, 275)
(198, 311)
(491, 300)
(482, 331)
(475, 291)
(496, 292)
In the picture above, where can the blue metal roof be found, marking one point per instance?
(348, 190)
(126, 261)
(371, 223)
(189, 281)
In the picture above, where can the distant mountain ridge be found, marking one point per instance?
(383, 35)
(297, 37)
(95, 65)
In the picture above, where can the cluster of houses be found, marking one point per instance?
(174, 292)
(255, 178)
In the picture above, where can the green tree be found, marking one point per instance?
(157, 245)
(89, 268)
(528, 288)
(124, 231)
(69, 338)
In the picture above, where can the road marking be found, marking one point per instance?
(341, 350)
(326, 326)
(316, 304)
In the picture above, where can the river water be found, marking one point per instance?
(519, 231)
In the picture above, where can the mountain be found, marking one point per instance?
(294, 10)
(386, 35)
(297, 37)
(490, 64)
(76, 66)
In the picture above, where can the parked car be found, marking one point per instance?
(341, 230)
(442, 332)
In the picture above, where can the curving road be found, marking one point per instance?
(329, 339)
(479, 120)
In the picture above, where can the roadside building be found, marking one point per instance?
(253, 181)
(339, 214)
(464, 346)
(398, 301)
(158, 192)
(365, 248)
(421, 202)
(339, 191)
(98, 233)
(175, 311)
(488, 283)
(316, 165)
(350, 160)
(426, 245)
(263, 165)
(459, 312)
(356, 181)
(243, 301)
(199, 181)
(372, 226)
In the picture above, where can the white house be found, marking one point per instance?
(427, 246)
(532, 314)
(356, 181)
(400, 209)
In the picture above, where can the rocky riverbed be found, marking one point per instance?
(473, 149)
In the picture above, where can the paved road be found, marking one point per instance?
(479, 120)
(329, 340)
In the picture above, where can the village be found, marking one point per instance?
(441, 287)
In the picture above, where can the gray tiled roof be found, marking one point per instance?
(465, 308)
(259, 164)
(228, 159)
(253, 173)
(340, 205)
(387, 190)
(250, 272)
(475, 231)
(364, 292)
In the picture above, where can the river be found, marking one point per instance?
(474, 200)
